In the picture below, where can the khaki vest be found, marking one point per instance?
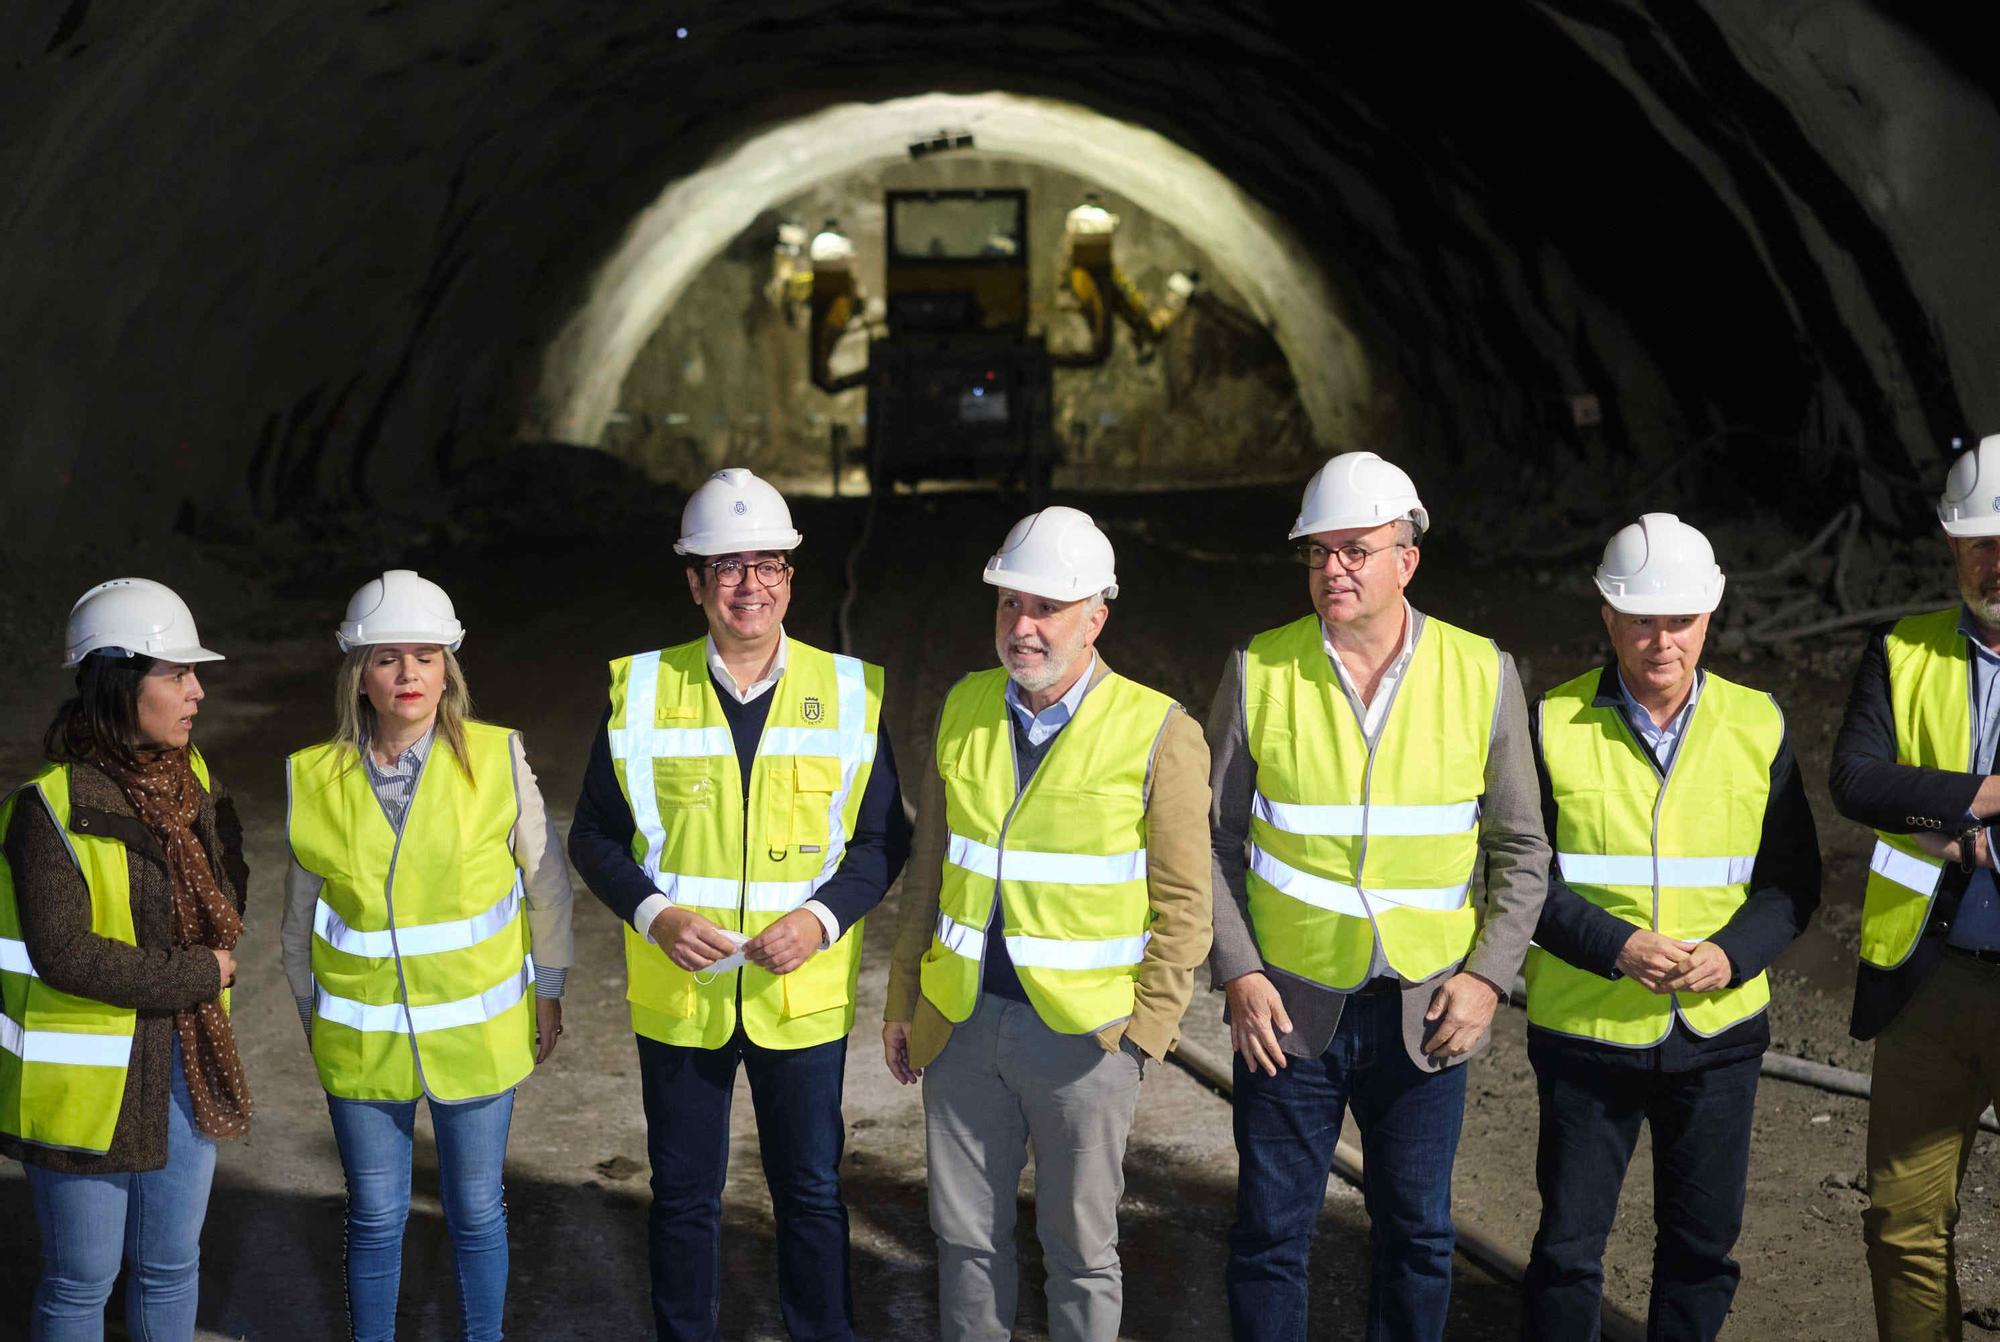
(742, 862)
(422, 981)
(63, 1058)
(1348, 845)
(1065, 856)
(1672, 854)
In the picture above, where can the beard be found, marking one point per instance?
(1058, 660)
(1984, 605)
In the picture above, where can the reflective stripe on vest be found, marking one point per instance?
(419, 936)
(1930, 700)
(396, 1018)
(678, 770)
(1353, 846)
(1065, 857)
(1674, 855)
(1645, 869)
(63, 1057)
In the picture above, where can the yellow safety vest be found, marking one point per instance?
(1349, 844)
(1930, 695)
(1672, 854)
(63, 1058)
(1065, 856)
(422, 980)
(742, 863)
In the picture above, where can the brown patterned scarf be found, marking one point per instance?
(165, 793)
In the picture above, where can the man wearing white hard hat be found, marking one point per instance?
(740, 815)
(1915, 762)
(1372, 767)
(1054, 914)
(1685, 861)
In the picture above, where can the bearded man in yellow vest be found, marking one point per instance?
(740, 814)
(1371, 767)
(1914, 761)
(1055, 911)
(1685, 861)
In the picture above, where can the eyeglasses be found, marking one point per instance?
(730, 572)
(1314, 555)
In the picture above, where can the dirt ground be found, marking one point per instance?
(584, 581)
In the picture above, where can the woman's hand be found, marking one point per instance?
(548, 1026)
(225, 964)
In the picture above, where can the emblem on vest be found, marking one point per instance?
(810, 710)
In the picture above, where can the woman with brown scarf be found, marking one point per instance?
(121, 902)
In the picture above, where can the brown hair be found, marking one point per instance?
(101, 720)
(354, 716)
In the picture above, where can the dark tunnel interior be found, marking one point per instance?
(258, 267)
(295, 292)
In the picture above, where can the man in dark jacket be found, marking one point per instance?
(1914, 761)
(1686, 860)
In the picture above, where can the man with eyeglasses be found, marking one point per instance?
(1371, 766)
(740, 814)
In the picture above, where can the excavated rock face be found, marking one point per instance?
(254, 258)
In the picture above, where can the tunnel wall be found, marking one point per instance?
(258, 260)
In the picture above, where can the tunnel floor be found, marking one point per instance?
(1199, 571)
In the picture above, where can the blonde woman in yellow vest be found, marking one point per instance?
(121, 899)
(426, 936)
(1915, 762)
(1055, 911)
(740, 815)
(1686, 860)
(1372, 771)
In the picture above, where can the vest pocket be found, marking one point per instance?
(820, 984)
(685, 784)
(815, 779)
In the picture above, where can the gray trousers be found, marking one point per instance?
(1005, 1081)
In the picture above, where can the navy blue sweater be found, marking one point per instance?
(600, 838)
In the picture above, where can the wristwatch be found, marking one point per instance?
(1968, 849)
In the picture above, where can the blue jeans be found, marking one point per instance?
(374, 1137)
(1286, 1128)
(90, 1221)
(1701, 1123)
(796, 1093)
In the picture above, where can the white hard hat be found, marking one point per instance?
(1090, 217)
(1659, 565)
(133, 617)
(734, 511)
(400, 607)
(1358, 489)
(1058, 553)
(830, 246)
(1970, 504)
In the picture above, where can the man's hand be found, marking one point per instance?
(787, 943)
(548, 1026)
(1463, 1008)
(1256, 1019)
(1650, 959)
(1946, 849)
(896, 1051)
(1707, 969)
(690, 940)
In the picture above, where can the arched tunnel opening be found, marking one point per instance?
(486, 289)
